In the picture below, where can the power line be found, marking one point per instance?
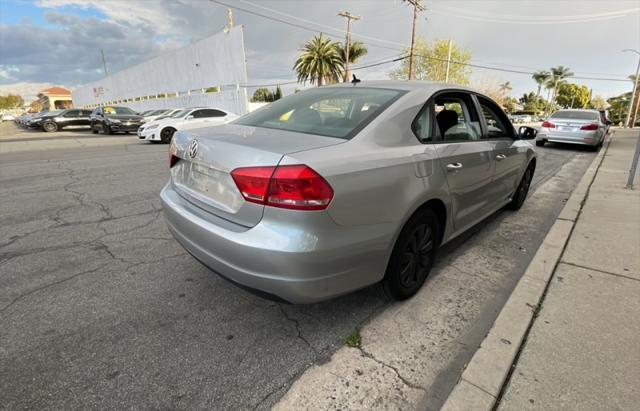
(401, 49)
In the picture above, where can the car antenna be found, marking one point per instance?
(355, 80)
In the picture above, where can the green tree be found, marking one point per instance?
(532, 102)
(618, 107)
(320, 62)
(264, 95)
(430, 63)
(558, 76)
(598, 103)
(11, 101)
(572, 95)
(357, 50)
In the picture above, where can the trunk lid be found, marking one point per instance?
(203, 174)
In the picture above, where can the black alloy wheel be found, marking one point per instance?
(523, 189)
(413, 255)
(50, 127)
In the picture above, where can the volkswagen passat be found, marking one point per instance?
(336, 188)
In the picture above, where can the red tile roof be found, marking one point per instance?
(56, 91)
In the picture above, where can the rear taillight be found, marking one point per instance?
(173, 159)
(548, 124)
(589, 127)
(296, 187)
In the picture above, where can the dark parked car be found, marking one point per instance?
(72, 118)
(115, 119)
(35, 121)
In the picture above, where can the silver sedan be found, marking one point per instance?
(584, 127)
(332, 189)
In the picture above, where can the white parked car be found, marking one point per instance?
(154, 114)
(186, 119)
(7, 117)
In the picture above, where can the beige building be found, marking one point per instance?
(54, 98)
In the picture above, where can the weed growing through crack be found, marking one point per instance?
(354, 339)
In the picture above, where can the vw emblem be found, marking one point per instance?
(193, 149)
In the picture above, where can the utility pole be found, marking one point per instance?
(635, 88)
(446, 76)
(104, 63)
(417, 7)
(349, 17)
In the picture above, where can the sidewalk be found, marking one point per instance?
(568, 337)
(583, 349)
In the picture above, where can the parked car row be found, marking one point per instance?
(151, 125)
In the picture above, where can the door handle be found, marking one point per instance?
(500, 157)
(454, 166)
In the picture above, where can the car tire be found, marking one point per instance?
(520, 195)
(106, 129)
(413, 255)
(50, 127)
(540, 143)
(167, 134)
(94, 130)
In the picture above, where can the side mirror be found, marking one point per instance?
(527, 133)
(189, 117)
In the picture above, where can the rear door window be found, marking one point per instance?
(456, 118)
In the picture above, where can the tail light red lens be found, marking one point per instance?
(589, 127)
(173, 159)
(253, 182)
(296, 187)
(548, 124)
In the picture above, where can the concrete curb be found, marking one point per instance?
(482, 380)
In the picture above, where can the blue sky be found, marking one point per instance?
(58, 41)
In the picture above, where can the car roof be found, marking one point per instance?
(586, 110)
(407, 85)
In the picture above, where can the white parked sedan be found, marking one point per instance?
(584, 127)
(190, 118)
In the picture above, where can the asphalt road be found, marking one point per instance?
(101, 308)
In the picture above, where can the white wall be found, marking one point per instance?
(218, 60)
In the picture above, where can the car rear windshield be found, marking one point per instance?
(333, 112)
(117, 110)
(576, 115)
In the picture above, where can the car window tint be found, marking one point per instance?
(497, 125)
(456, 119)
(212, 113)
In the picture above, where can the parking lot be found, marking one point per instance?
(101, 308)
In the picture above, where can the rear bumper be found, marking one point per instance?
(300, 257)
(585, 138)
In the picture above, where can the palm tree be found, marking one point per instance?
(540, 77)
(319, 62)
(558, 74)
(357, 49)
(505, 87)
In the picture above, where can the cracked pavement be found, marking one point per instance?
(101, 308)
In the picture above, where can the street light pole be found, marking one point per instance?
(635, 87)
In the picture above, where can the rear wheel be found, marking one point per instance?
(50, 127)
(413, 255)
(523, 189)
(540, 143)
(167, 134)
